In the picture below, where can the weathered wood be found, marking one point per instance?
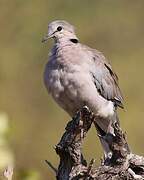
(123, 165)
(72, 163)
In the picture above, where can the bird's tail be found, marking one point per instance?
(106, 131)
(105, 124)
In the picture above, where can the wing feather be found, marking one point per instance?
(105, 79)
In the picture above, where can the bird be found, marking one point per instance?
(77, 75)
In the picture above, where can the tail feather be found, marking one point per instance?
(105, 124)
(105, 129)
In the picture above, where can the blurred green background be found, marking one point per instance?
(36, 123)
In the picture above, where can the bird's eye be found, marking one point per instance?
(59, 28)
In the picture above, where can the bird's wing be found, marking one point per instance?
(105, 79)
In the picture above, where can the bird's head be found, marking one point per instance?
(59, 29)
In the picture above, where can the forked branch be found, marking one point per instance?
(123, 166)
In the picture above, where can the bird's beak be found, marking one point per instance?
(46, 37)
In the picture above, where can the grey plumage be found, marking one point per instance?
(77, 75)
(106, 81)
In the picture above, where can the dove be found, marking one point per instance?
(77, 75)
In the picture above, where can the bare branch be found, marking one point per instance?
(123, 165)
(51, 166)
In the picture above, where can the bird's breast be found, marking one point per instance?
(68, 79)
(64, 84)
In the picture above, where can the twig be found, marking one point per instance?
(51, 166)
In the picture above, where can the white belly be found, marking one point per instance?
(72, 90)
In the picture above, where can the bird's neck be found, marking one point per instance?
(66, 40)
(64, 46)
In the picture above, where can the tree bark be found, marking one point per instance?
(123, 165)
